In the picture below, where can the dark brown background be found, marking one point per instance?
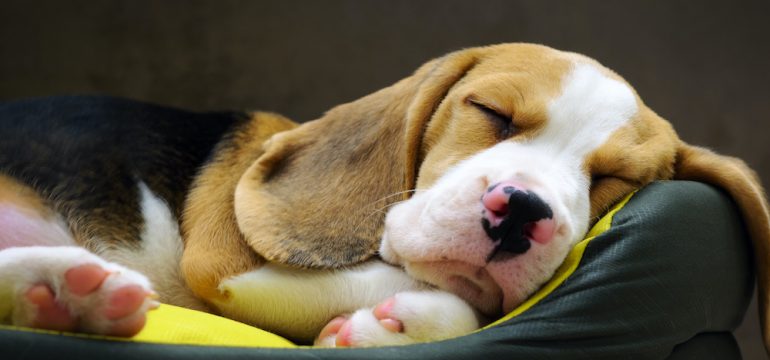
(701, 64)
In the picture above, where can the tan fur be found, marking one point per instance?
(635, 155)
(23, 198)
(214, 246)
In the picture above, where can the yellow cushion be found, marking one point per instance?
(169, 324)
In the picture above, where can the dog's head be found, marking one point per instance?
(499, 158)
(519, 158)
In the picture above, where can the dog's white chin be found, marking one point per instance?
(471, 283)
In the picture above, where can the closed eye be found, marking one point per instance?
(503, 122)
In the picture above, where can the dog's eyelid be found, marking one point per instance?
(503, 121)
(488, 109)
(605, 178)
(491, 111)
(602, 176)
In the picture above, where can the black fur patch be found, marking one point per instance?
(85, 155)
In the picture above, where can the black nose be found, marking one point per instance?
(509, 216)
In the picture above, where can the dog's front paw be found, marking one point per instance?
(71, 289)
(406, 318)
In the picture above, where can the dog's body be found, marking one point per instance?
(511, 151)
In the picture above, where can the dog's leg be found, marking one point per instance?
(298, 303)
(70, 289)
(406, 318)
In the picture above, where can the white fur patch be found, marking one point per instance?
(590, 108)
(298, 303)
(160, 252)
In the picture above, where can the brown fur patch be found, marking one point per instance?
(23, 198)
(641, 152)
(214, 246)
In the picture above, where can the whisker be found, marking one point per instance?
(377, 211)
(396, 194)
(381, 210)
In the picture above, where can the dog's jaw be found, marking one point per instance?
(437, 235)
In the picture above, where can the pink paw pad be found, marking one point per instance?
(125, 301)
(383, 313)
(333, 327)
(85, 279)
(50, 314)
(339, 328)
(344, 334)
(122, 307)
(128, 327)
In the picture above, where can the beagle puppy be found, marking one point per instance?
(412, 214)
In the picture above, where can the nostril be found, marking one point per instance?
(496, 199)
(501, 213)
(498, 209)
(529, 229)
(541, 231)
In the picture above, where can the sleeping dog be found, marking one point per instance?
(412, 214)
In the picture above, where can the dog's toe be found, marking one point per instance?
(50, 314)
(124, 301)
(388, 320)
(84, 279)
(329, 334)
(117, 306)
(124, 307)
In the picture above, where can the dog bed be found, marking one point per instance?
(666, 274)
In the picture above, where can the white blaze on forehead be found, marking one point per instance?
(590, 108)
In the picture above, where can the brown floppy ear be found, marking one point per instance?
(732, 175)
(637, 154)
(318, 195)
